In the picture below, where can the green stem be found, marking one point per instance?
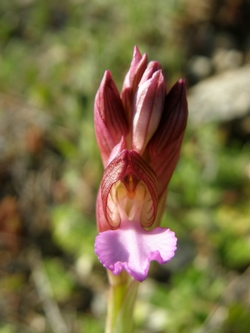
(122, 296)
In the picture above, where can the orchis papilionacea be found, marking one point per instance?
(139, 133)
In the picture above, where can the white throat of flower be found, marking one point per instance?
(129, 200)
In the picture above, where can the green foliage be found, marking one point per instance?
(73, 231)
(60, 281)
(238, 319)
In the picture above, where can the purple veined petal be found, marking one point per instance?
(117, 149)
(102, 223)
(132, 248)
(174, 117)
(137, 67)
(164, 147)
(124, 164)
(110, 118)
(147, 109)
(152, 67)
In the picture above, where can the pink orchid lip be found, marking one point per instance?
(132, 248)
(128, 164)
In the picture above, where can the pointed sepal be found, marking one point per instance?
(164, 147)
(131, 81)
(110, 119)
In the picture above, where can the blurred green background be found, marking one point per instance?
(52, 58)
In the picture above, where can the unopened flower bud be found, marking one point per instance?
(131, 81)
(148, 107)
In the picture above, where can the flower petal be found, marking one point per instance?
(148, 107)
(131, 81)
(164, 147)
(132, 248)
(125, 163)
(110, 118)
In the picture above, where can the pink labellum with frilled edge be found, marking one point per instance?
(132, 248)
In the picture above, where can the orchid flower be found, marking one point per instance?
(139, 134)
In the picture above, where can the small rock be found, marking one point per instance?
(222, 97)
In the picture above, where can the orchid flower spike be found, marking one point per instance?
(139, 133)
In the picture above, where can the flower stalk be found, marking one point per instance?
(121, 301)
